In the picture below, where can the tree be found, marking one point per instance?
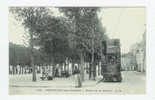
(77, 35)
(75, 14)
(88, 32)
(29, 16)
(52, 35)
(18, 55)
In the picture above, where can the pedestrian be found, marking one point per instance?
(78, 83)
(59, 70)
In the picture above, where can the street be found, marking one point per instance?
(133, 83)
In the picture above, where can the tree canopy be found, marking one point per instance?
(61, 37)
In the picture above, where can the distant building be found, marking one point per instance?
(140, 60)
(128, 62)
(139, 51)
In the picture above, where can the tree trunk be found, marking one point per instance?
(89, 70)
(22, 69)
(13, 69)
(92, 62)
(72, 67)
(20, 72)
(34, 79)
(82, 66)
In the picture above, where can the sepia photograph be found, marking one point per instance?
(77, 50)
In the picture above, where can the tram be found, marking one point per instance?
(111, 61)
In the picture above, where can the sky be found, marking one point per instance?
(126, 24)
